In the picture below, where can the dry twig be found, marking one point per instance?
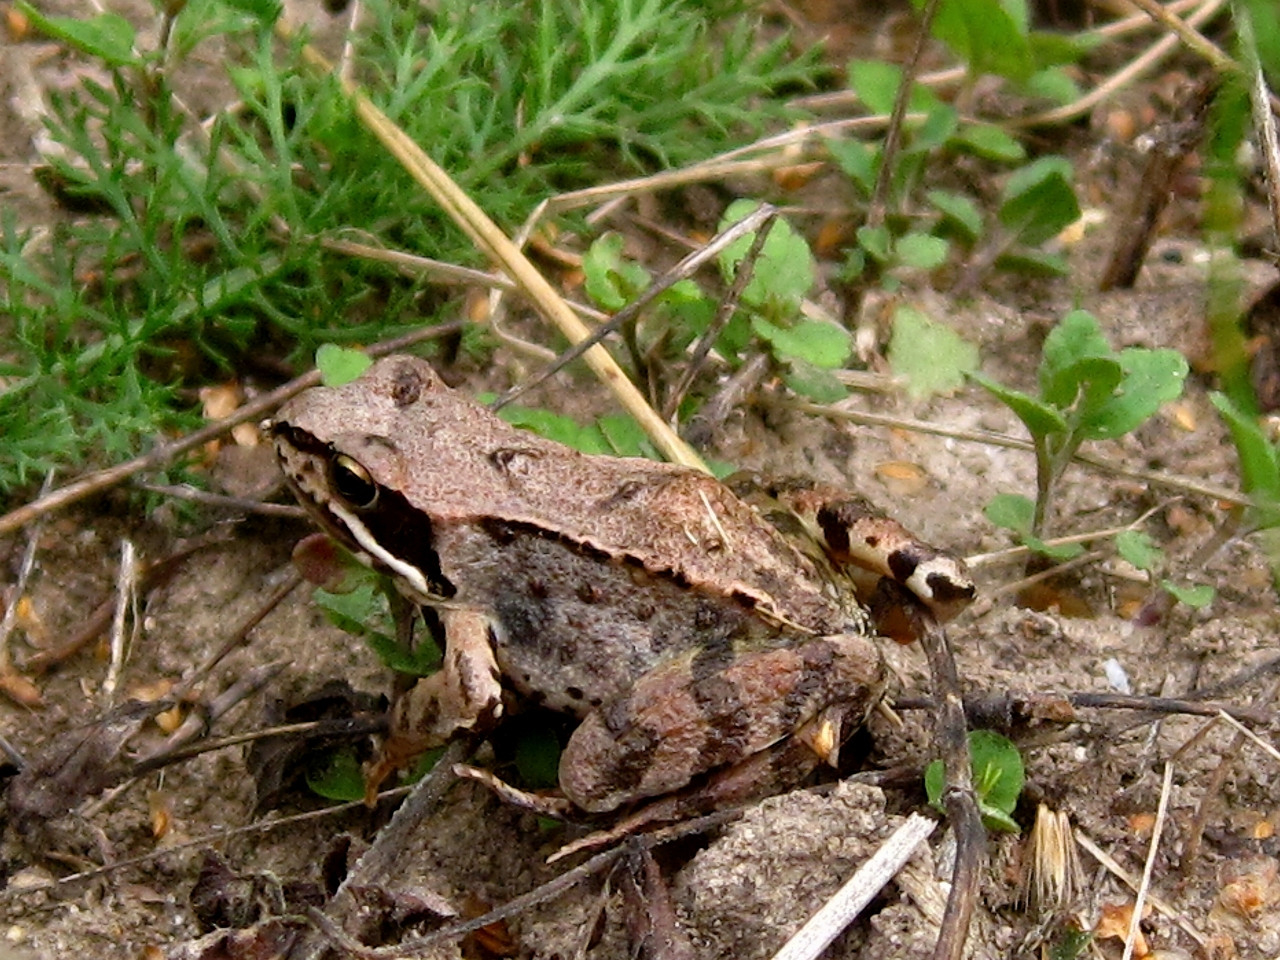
(850, 900)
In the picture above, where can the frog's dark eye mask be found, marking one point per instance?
(375, 522)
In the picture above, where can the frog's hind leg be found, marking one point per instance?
(712, 709)
(763, 774)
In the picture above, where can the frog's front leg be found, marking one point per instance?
(888, 563)
(464, 694)
(711, 709)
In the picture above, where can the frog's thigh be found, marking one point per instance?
(710, 709)
(463, 692)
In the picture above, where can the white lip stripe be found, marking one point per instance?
(410, 573)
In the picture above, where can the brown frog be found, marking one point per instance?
(690, 627)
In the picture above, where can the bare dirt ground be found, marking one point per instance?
(741, 890)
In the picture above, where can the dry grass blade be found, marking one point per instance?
(1264, 120)
(1121, 78)
(484, 233)
(1156, 478)
(1144, 887)
(1134, 883)
(838, 912)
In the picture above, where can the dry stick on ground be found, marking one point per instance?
(379, 863)
(1144, 888)
(1154, 477)
(850, 900)
(64, 884)
(1171, 147)
(724, 313)
(1122, 78)
(14, 685)
(1134, 883)
(484, 233)
(878, 206)
(1189, 37)
(1208, 800)
(950, 737)
(1005, 708)
(1212, 790)
(153, 575)
(685, 268)
(166, 453)
(197, 722)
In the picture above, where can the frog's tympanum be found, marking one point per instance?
(691, 624)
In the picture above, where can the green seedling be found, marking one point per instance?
(1088, 391)
(1140, 550)
(769, 312)
(997, 779)
(930, 358)
(925, 225)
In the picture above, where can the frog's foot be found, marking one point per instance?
(558, 808)
(712, 709)
(857, 536)
(465, 694)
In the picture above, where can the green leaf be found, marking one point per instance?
(921, 251)
(537, 756)
(876, 83)
(337, 776)
(555, 426)
(1040, 419)
(611, 281)
(265, 12)
(989, 35)
(859, 161)
(1151, 378)
(997, 767)
(625, 437)
(990, 142)
(1057, 552)
(1015, 512)
(998, 777)
(930, 357)
(1053, 84)
(1074, 338)
(784, 272)
(1012, 511)
(813, 383)
(1196, 595)
(1038, 200)
(875, 240)
(1036, 263)
(935, 780)
(107, 36)
(339, 365)
(1139, 549)
(959, 211)
(939, 126)
(813, 341)
(1259, 460)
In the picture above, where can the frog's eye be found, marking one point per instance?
(353, 483)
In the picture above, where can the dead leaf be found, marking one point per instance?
(1114, 923)
(20, 690)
